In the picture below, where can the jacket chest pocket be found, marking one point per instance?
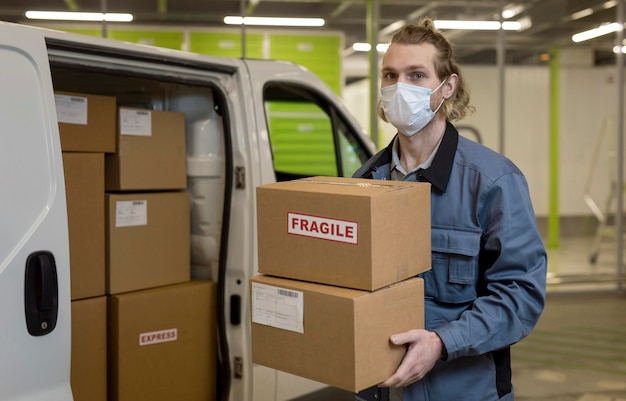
(454, 272)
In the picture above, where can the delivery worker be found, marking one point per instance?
(486, 289)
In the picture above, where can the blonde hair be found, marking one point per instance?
(457, 106)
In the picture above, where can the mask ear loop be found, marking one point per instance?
(440, 104)
(442, 100)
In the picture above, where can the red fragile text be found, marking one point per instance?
(322, 228)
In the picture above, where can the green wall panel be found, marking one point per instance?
(88, 32)
(166, 39)
(301, 138)
(320, 54)
(225, 44)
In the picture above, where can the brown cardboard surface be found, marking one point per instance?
(152, 253)
(388, 222)
(89, 349)
(345, 342)
(150, 162)
(98, 135)
(84, 189)
(177, 325)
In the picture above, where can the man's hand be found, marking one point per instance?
(423, 351)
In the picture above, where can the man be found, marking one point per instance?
(486, 288)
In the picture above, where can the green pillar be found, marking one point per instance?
(373, 13)
(553, 213)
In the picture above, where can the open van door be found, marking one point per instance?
(35, 329)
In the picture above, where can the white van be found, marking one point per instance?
(236, 140)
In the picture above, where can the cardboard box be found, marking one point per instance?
(147, 240)
(150, 152)
(337, 336)
(89, 349)
(84, 189)
(355, 233)
(86, 122)
(162, 343)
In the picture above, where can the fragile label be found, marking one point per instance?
(131, 213)
(278, 307)
(156, 337)
(135, 122)
(71, 109)
(323, 228)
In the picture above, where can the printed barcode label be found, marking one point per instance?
(131, 213)
(278, 307)
(135, 122)
(71, 109)
(287, 293)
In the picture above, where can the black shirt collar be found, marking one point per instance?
(438, 174)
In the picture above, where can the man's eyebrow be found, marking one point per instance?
(409, 68)
(416, 67)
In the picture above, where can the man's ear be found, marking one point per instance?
(450, 86)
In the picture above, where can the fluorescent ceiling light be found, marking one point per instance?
(512, 10)
(477, 25)
(79, 16)
(582, 13)
(511, 25)
(594, 33)
(361, 47)
(274, 21)
(468, 25)
(365, 47)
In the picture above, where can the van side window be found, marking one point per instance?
(308, 136)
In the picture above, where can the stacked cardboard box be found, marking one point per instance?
(147, 209)
(139, 325)
(87, 131)
(161, 325)
(150, 152)
(162, 343)
(338, 258)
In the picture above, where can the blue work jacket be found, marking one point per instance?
(486, 288)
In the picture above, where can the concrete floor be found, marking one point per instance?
(577, 352)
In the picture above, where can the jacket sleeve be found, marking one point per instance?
(511, 283)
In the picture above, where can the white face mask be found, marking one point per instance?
(407, 107)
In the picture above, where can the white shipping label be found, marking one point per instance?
(323, 228)
(278, 307)
(156, 337)
(135, 122)
(71, 109)
(131, 213)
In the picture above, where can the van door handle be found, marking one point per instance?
(41, 293)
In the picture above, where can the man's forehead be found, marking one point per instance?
(404, 57)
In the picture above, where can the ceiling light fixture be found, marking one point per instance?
(582, 14)
(456, 24)
(616, 49)
(512, 10)
(274, 21)
(79, 16)
(595, 32)
(478, 25)
(365, 47)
